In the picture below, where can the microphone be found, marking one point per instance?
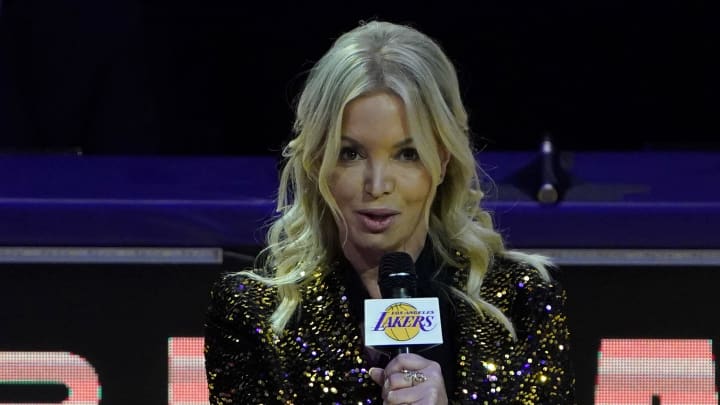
(398, 320)
(548, 192)
(397, 279)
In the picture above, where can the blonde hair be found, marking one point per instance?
(380, 56)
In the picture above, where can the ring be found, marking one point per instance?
(414, 376)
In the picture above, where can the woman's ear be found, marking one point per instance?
(444, 159)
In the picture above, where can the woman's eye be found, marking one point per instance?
(409, 154)
(349, 154)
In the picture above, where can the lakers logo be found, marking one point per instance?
(402, 321)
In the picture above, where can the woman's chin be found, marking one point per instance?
(377, 245)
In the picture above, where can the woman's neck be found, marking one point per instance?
(366, 267)
(369, 279)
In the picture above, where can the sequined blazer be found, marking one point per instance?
(320, 359)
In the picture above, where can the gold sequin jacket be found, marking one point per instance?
(320, 359)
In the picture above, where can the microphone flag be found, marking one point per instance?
(402, 321)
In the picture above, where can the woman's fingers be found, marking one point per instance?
(409, 361)
(377, 374)
(411, 379)
(415, 395)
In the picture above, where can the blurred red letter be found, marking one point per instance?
(64, 368)
(186, 380)
(678, 371)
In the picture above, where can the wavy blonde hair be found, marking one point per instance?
(380, 56)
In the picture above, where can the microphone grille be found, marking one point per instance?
(397, 270)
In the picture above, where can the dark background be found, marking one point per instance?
(219, 77)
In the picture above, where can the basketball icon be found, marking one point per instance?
(400, 322)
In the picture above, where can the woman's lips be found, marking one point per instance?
(377, 221)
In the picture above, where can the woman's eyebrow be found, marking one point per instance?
(404, 142)
(349, 139)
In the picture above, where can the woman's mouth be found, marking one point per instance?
(377, 221)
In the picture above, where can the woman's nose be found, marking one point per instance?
(378, 180)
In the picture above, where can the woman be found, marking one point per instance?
(382, 162)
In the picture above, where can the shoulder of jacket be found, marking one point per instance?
(519, 273)
(534, 295)
(236, 295)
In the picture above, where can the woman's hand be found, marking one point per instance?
(411, 379)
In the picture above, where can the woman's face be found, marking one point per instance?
(379, 183)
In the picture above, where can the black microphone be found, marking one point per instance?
(397, 279)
